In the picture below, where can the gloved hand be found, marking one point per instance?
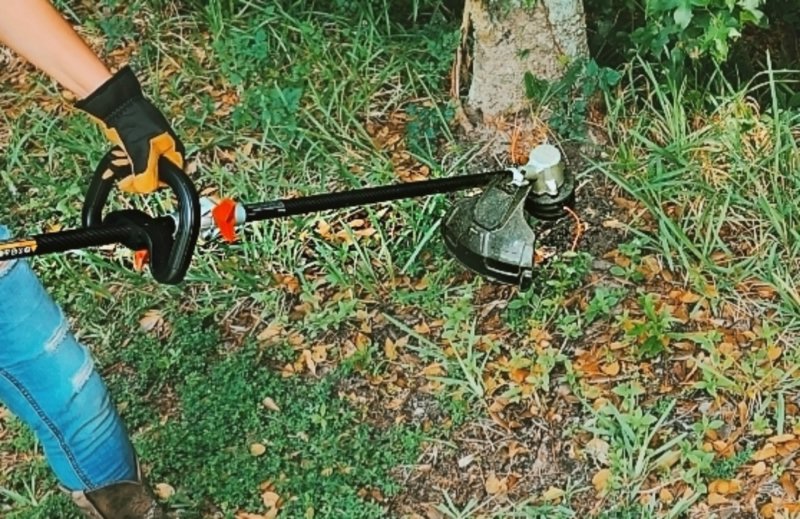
(131, 122)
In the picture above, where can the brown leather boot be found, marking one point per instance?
(122, 500)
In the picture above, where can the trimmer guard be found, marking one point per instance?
(490, 235)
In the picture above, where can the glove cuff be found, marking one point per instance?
(112, 95)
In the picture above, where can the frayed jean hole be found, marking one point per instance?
(83, 374)
(58, 336)
(7, 266)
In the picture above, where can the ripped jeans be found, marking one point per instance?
(48, 380)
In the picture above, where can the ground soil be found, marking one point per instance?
(533, 454)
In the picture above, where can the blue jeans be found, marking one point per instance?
(48, 380)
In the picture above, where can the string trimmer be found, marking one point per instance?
(488, 233)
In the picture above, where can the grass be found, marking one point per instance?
(317, 337)
(715, 166)
(303, 80)
(222, 415)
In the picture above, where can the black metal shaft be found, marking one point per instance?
(105, 234)
(366, 196)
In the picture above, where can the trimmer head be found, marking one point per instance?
(490, 234)
(553, 188)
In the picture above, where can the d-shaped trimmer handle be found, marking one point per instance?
(169, 241)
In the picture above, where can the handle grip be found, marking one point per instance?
(170, 247)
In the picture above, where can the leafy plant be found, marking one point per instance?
(425, 127)
(678, 30)
(650, 334)
(638, 441)
(696, 28)
(727, 468)
(603, 303)
(463, 363)
(631, 250)
(543, 301)
(568, 99)
(221, 415)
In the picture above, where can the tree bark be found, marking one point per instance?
(507, 42)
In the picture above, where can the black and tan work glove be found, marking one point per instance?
(133, 123)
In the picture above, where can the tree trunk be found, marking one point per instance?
(506, 42)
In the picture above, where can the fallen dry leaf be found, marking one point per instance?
(668, 459)
(789, 447)
(164, 491)
(791, 508)
(725, 487)
(689, 297)
(296, 339)
(257, 449)
(650, 267)
(769, 451)
(767, 511)
(781, 438)
(518, 375)
(598, 449)
(612, 370)
(494, 486)
(773, 353)
(613, 224)
(433, 370)
(515, 448)
(601, 480)
(358, 222)
(465, 461)
(394, 404)
(553, 494)
(308, 358)
(715, 499)
(390, 349)
(323, 229)
(422, 328)
(270, 499)
(270, 332)
(788, 485)
(759, 469)
(498, 405)
(290, 282)
(723, 448)
(270, 404)
(150, 320)
(319, 353)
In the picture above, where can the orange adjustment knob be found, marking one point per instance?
(140, 259)
(224, 214)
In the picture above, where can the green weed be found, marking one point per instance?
(542, 303)
(651, 333)
(568, 99)
(708, 162)
(639, 443)
(728, 468)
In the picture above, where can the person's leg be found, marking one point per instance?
(48, 380)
